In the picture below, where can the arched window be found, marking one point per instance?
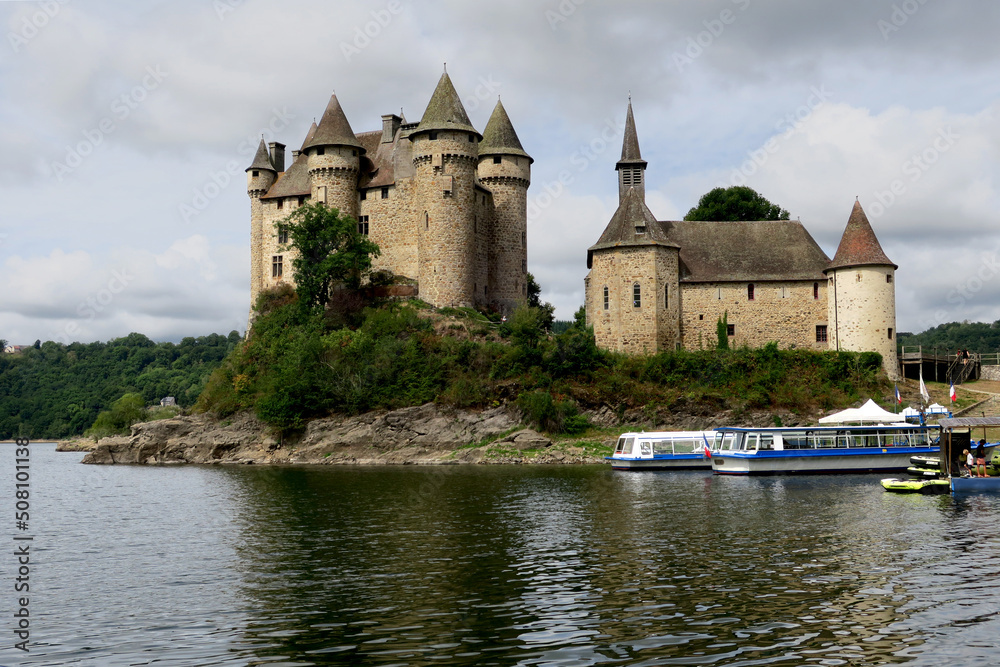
(606, 299)
(750, 292)
(815, 290)
(636, 296)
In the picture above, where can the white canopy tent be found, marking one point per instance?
(869, 412)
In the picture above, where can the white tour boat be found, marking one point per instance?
(820, 449)
(663, 450)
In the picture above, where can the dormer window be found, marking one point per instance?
(496, 160)
(640, 230)
(256, 173)
(320, 151)
(432, 136)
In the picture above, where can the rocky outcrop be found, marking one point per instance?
(427, 434)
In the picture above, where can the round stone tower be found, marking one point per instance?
(862, 294)
(505, 169)
(334, 157)
(261, 175)
(445, 152)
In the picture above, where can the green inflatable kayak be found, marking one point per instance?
(916, 485)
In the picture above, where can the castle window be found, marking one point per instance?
(321, 151)
(283, 236)
(472, 139)
(820, 333)
(354, 153)
(815, 290)
(666, 297)
(888, 277)
(256, 173)
(496, 160)
(385, 193)
(859, 277)
(719, 294)
(432, 136)
(364, 195)
(524, 239)
(890, 333)
(524, 265)
(701, 317)
(636, 296)
(281, 204)
(750, 292)
(730, 329)
(427, 221)
(640, 230)
(363, 225)
(276, 266)
(607, 301)
(302, 200)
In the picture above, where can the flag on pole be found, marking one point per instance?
(899, 399)
(923, 388)
(951, 393)
(708, 452)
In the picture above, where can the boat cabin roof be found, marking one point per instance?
(789, 429)
(666, 435)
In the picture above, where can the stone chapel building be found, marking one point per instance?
(663, 285)
(446, 205)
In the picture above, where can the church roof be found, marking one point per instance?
(294, 182)
(333, 128)
(630, 143)
(632, 225)
(746, 251)
(859, 246)
(261, 160)
(499, 136)
(445, 110)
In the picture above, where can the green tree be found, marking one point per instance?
(330, 251)
(124, 412)
(738, 202)
(722, 331)
(548, 311)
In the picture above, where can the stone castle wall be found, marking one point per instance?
(618, 323)
(862, 312)
(786, 312)
(392, 225)
(508, 259)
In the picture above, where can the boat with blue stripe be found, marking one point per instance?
(663, 450)
(820, 449)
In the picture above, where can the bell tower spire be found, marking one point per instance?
(631, 167)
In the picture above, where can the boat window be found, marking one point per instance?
(823, 439)
(620, 446)
(725, 441)
(844, 439)
(795, 440)
(646, 448)
(627, 450)
(766, 441)
(750, 442)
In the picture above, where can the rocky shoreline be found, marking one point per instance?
(426, 434)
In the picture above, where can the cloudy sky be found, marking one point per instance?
(125, 128)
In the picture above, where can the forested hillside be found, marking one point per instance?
(981, 337)
(56, 390)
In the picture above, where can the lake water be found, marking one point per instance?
(503, 565)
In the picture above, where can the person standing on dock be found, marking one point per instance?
(981, 458)
(969, 462)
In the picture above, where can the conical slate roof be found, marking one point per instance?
(309, 135)
(622, 231)
(630, 144)
(499, 137)
(262, 160)
(445, 110)
(333, 128)
(859, 246)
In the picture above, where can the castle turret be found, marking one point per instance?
(505, 169)
(862, 294)
(445, 153)
(260, 177)
(631, 167)
(334, 155)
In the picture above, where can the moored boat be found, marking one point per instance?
(820, 449)
(916, 485)
(663, 450)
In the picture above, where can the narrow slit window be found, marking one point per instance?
(636, 296)
(607, 301)
(750, 292)
(815, 290)
(666, 297)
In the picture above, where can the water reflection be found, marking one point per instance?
(582, 565)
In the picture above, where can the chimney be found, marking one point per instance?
(390, 123)
(277, 156)
(295, 155)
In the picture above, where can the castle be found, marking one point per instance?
(664, 285)
(446, 205)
